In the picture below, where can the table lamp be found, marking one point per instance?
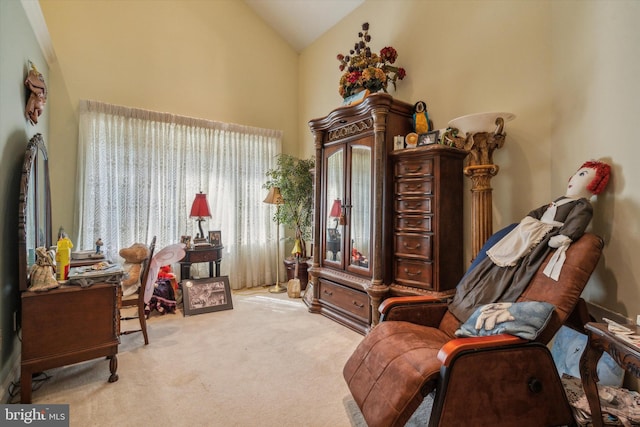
(275, 198)
(336, 212)
(200, 210)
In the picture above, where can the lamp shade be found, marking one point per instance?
(274, 197)
(479, 122)
(336, 209)
(200, 207)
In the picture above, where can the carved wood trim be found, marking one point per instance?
(350, 129)
(342, 277)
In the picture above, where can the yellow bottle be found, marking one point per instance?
(63, 257)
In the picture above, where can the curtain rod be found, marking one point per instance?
(138, 113)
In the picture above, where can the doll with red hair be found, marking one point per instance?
(511, 263)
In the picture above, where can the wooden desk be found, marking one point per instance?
(600, 340)
(68, 325)
(210, 254)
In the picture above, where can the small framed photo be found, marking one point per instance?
(186, 240)
(398, 142)
(215, 238)
(206, 295)
(428, 138)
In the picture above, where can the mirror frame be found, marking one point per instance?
(35, 176)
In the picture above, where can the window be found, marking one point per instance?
(139, 172)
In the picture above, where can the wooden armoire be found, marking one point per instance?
(386, 222)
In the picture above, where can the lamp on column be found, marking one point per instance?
(275, 198)
(479, 135)
(200, 210)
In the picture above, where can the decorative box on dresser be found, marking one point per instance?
(386, 223)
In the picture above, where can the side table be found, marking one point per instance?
(210, 254)
(599, 340)
(333, 246)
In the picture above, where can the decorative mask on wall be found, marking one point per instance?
(37, 96)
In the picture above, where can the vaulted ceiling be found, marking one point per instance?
(301, 22)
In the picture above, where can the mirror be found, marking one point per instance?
(360, 218)
(34, 210)
(334, 205)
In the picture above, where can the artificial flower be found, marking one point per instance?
(366, 70)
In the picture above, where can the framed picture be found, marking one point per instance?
(398, 142)
(206, 295)
(215, 238)
(428, 138)
(186, 240)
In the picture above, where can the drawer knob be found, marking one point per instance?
(326, 292)
(358, 304)
(414, 223)
(412, 273)
(412, 248)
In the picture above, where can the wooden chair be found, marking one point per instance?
(137, 299)
(488, 380)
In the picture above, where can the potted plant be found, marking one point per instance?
(294, 178)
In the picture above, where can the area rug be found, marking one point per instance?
(266, 362)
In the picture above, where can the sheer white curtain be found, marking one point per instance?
(139, 172)
(361, 199)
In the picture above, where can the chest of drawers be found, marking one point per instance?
(427, 211)
(68, 325)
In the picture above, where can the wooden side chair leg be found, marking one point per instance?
(143, 321)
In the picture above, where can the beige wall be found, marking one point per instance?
(596, 98)
(567, 69)
(208, 59)
(461, 57)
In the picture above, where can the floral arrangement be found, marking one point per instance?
(366, 70)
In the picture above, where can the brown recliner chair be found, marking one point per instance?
(479, 381)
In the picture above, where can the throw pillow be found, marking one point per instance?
(522, 319)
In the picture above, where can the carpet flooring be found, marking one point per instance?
(267, 362)
(420, 418)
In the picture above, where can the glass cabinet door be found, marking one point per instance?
(360, 207)
(334, 209)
